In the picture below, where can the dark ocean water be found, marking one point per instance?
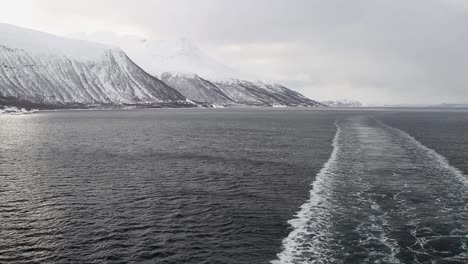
(234, 186)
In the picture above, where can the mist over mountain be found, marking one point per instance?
(160, 56)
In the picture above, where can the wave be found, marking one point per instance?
(441, 160)
(379, 190)
(292, 245)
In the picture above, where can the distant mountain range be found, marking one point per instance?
(343, 103)
(453, 105)
(352, 103)
(441, 105)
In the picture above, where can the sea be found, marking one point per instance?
(276, 186)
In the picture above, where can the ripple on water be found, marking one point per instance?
(155, 186)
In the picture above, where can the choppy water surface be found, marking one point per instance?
(162, 186)
(234, 186)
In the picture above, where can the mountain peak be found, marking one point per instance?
(159, 56)
(187, 45)
(41, 43)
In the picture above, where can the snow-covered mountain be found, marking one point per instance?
(46, 69)
(41, 68)
(343, 103)
(199, 77)
(160, 56)
(235, 91)
(197, 89)
(260, 93)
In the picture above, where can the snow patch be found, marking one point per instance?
(40, 43)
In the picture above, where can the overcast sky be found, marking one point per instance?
(394, 51)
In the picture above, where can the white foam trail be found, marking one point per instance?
(292, 244)
(441, 160)
(312, 239)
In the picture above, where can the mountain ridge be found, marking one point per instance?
(342, 103)
(235, 91)
(197, 88)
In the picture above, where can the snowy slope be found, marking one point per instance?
(235, 92)
(260, 93)
(39, 43)
(43, 68)
(196, 88)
